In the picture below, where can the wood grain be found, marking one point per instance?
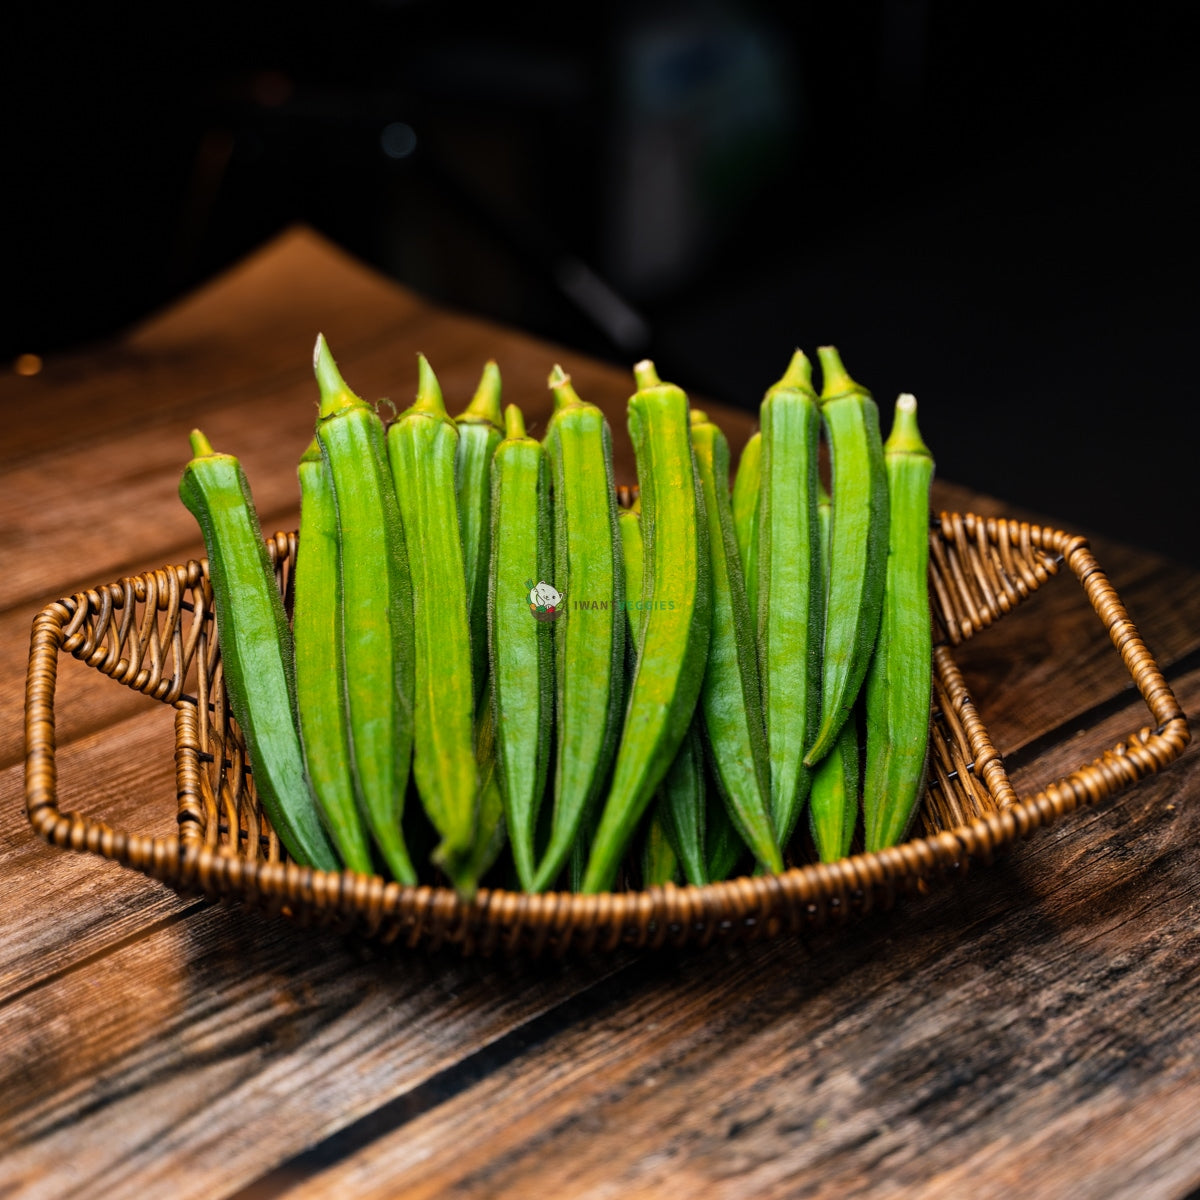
(197, 1054)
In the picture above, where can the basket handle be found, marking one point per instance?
(1145, 752)
(161, 857)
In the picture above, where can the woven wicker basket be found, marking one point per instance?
(154, 633)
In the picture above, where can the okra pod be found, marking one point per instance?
(745, 517)
(680, 808)
(589, 636)
(723, 845)
(376, 608)
(480, 429)
(256, 648)
(833, 798)
(320, 669)
(790, 590)
(659, 862)
(731, 698)
(422, 446)
(521, 646)
(491, 828)
(678, 811)
(676, 618)
(858, 545)
(899, 679)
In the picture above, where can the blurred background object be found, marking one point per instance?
(991, 207)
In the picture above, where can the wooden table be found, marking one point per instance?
(1030, 1031)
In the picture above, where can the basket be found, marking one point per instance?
(155, 633)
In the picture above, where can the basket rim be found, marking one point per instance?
(800, 897)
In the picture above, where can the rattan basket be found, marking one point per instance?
(155, 633)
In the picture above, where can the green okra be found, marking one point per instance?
(723, 845)
(659, 862)
(256, 648)
(521, 649)
(675, 623)
(833, 798)
(480, 429)
(681, 808)
(491, 828)
(745, 516)
(731, 698)
(678, 812)
(790, 590)
(899, 679)
(858, 545)
(376, 603)
(589, 635)
(320, 669)
(422, 446)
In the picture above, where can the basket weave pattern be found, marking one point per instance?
(155, 633)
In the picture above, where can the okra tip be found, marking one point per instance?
(313, 453)
(335, 393)
(798, 376)
(514, 425)
(429, 391)
(565, 394)
(646, 374)
(485, 404)
(699, 417)
(905, 437)
(835, 379)
(200, 444)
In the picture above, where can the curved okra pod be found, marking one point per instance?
(899, 680)
(731, 698)
(480, 429)
(320, 669)
(589, 636)
(858, 545)
(679, 808)
(745, 518)
(256, 648)
(521, 650)
(833, 798)
(376, 599)
(790, 591)
(676, 617)
(422, 446)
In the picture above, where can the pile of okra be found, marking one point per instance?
(495, 673)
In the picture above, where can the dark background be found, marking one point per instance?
(991, 206)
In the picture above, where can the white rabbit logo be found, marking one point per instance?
(545, 601)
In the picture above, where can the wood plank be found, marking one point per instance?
(189, 1061)
(63, 908)
(1021, 1033)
